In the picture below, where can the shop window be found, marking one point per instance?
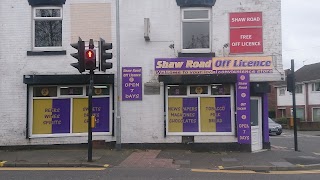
(198, 89)
(196, 30)
(71, 90)
(177, 90)
(45, 91)
(47, 30)
(220, 89)
(59, 111)
(299, 88)
(316, 86)
(282, 91)
(316, 114)
(99, 90)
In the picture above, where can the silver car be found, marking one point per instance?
(274, 128)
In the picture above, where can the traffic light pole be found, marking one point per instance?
(294, 107)
(89, 117)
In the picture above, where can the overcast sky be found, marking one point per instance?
(300, 32)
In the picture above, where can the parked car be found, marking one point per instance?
(274, 128)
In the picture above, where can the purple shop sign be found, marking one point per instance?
(131, 83)
(243, 109)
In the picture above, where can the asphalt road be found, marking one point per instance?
(151, 174)
(308, 141)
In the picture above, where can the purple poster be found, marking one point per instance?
(131, 83)
(61, 116)
(243, 109)
(190, 115)
(223, 114)
(100, 108)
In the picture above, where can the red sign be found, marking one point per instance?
(245, 19)
(246, 32)
(246, 40)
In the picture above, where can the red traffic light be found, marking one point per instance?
(89, 54)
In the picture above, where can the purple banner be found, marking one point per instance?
(62, 117)
(131, 83)
(190, 115)
(243, 109)
(100, 108)
(223, 114)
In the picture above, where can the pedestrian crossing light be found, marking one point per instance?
(79, 55)
(90, 57)
(103, 47)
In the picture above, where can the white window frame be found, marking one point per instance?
(59, 96)
(312, 114)
(297, 88)
(282, 89)
(199, 133)
(313, 86)
(204, 50)
(34, 18)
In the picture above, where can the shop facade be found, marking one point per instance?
(192, 73)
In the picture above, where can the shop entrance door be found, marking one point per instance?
(256, 123)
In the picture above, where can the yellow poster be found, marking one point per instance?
(208, 114)
(41, 112)
(80, 115)
(175, 115)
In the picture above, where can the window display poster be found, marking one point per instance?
(51, 116)
(101, 110)
(183, 115)
(215, 114)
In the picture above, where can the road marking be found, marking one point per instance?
(220, 167)
(106, 165)
(254, 172)
(318, 154)
(51, 169)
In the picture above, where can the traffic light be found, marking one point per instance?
(90, 57)
(290, 82)
(79, 55)
(103, 46)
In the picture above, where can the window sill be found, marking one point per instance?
(211, 54)
(46, 53)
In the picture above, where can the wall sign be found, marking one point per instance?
(243, 109)
(246, 33)
(131, 83)
(217, 65)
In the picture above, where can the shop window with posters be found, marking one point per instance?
(59, 111)
(200, 109)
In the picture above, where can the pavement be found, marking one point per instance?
(277, 158)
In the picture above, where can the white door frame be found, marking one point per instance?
(256, 131)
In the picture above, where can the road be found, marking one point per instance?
(149, 174)
(308, 141)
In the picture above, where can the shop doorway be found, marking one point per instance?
(256, 123)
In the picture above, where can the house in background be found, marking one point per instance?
(307, 97)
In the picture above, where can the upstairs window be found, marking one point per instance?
(299, 88)
(282, 91)
(196, 30)
(47, 28)
(316, 86)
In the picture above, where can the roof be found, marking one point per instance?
(308, 73)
